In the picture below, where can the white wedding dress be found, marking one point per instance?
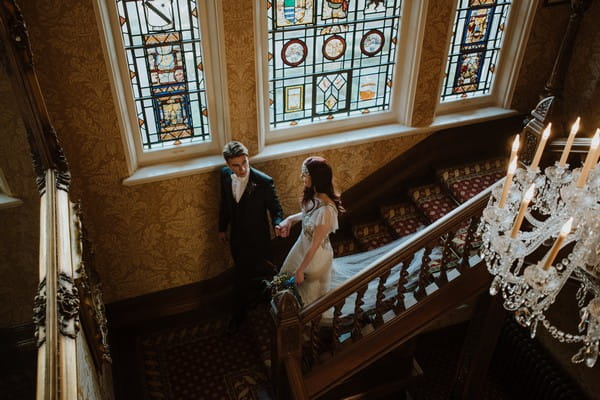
(325, 273)
(317, 275)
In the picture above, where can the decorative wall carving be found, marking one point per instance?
(543, 108)
(93, 312)
(68, 305)
(39, 313)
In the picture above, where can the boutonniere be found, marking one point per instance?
(251, 187)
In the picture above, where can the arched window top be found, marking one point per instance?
(475, 45)
(165, 59)
(330, 59)
(163, 47)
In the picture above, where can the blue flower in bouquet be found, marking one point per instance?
(284, 281)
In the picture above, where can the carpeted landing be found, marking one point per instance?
(201, 360)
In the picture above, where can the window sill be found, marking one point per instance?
(382, 132)
(9, 202)
(192, 166)
(174, 169)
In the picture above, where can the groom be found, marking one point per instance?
(247, 194)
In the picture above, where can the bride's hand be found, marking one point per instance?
(284, 228)
(299, 277)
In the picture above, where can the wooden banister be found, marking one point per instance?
(469, 209)
(396, 332)
(317, 356)
(286, 346)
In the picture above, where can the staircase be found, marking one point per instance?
(313, 359)
(422, 205)
(309, 357)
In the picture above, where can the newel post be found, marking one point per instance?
(286, 347)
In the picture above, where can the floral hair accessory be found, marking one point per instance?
(305, 170)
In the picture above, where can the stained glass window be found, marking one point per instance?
(164, 56)
(330, 58)
(476, 41)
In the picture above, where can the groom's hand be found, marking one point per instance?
(283, 229)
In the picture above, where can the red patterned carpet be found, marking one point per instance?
(201, 361)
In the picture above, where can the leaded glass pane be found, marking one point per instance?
(473, 54)
(330, 58)
(164, 56)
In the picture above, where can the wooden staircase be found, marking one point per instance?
(309, 359)
(353, 342)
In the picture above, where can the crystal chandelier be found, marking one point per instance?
(560, 206)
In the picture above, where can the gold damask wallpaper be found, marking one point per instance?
(19, 226)
(162, 235)
(433, 60)
(546, 35)
(582, 88)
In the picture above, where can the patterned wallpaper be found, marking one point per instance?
(582, 96)
(546, 35)
(161, 235)
(19, 226)
(433, 60)
(241, 73)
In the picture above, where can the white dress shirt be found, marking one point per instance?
(238, 185)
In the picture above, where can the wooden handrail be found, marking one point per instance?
(580, 145)
(466, 210)
(398, 331)
(361, 349)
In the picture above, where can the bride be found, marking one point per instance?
(310, 259)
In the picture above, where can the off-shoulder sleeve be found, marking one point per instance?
(327, 215)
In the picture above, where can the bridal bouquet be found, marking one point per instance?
(284, 281)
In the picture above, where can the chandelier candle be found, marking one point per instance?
(540, 148)
(515, 148)
(524, 203)
(511, 171)
(564, 231)
(590, 160)
(567, 150)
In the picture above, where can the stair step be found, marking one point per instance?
(403, 218)
(467, 180)
(432, 200)
(371, 235)
(344, 245)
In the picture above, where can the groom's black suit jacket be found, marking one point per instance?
(250, 232)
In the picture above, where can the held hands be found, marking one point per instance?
(283, 229)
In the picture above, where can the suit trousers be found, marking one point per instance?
(249, 273)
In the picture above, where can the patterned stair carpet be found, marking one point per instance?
(201, 361)
(424, 204)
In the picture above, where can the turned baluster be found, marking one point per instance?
(315, 339)
(446, 253)
(402, 280)
(358, 313)
(336, 329)
(420, 293)
(379, 305)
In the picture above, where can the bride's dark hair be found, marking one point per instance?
(321, 177)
